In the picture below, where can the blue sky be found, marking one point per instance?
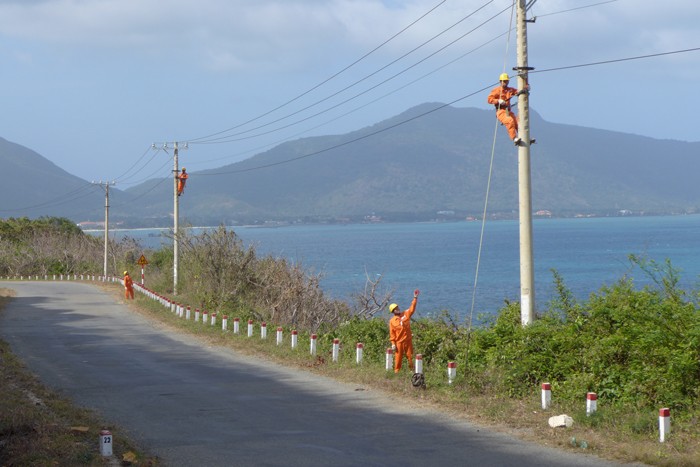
(90, 85)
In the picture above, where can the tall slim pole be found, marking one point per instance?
(176, 215)
(104, 273)
(105, 185)
(527, 274)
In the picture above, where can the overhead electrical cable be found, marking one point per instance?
(226, 138)
(154, 172)
(326, 80)
(69, 197)
(393, 91)
(574, 9)
(267, 145)
(442, 106)
(288, 138)
(618, 60)
(156, 185)
(122, 178)
(354, 140)
(321, 112)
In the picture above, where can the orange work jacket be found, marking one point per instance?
(400, 325)
(499, 92)
(182, 178)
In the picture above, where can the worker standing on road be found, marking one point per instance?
(181, 181)
(400, 333)
(500, 97)
(128, 286)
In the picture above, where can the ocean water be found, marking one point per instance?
(440, 259)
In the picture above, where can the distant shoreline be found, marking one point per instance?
(279, 224)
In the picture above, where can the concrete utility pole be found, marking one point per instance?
(527, 273)
(176, 208)
(176, 218)
(106, 185)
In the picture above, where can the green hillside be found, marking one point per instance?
(409, 167)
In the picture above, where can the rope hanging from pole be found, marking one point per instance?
(486, 202)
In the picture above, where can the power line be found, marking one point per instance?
(382, 130)
(230, 139)
(618, 60)
(574, 9)
(267, 145)
(326, 80)
(69, 197)
(122, 178)
(226, 138)
(354, 140)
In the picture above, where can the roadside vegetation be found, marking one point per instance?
(637, 348)
(40, 428)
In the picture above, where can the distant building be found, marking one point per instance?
(543, 213)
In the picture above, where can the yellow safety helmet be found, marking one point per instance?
(504, 77)
(126, 272)
(184, 169)
(392, 307)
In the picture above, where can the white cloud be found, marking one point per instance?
(231, 33)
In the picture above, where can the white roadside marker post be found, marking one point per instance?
(358, 352)
(314, 337)
(451, 372)
(591, 403)
(106, 443)
(419, 364)
(336, 349)
(546, 395)
(664, 424)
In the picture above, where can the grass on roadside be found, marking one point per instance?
(611, 433)
(38, 427)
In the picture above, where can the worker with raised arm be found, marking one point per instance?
(181, 181)
(128, 286)
(400, 333)
(500, 97)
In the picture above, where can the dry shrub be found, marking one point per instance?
(222, 274)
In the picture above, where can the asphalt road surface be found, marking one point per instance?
(194, 405)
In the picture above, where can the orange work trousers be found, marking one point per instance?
(404, 348)
(129, 293)
(509, 120)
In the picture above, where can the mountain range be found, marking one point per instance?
(431, 161)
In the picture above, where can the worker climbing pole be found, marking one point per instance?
(519, 131)
(181, 181)
(500, 97)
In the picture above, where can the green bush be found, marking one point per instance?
(636, 347)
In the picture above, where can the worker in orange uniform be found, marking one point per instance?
(400, 333)
(181, 181)
(500, 97)
(128, 286)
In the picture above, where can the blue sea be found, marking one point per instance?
(440, 259)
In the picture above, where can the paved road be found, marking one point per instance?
(199, 406)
